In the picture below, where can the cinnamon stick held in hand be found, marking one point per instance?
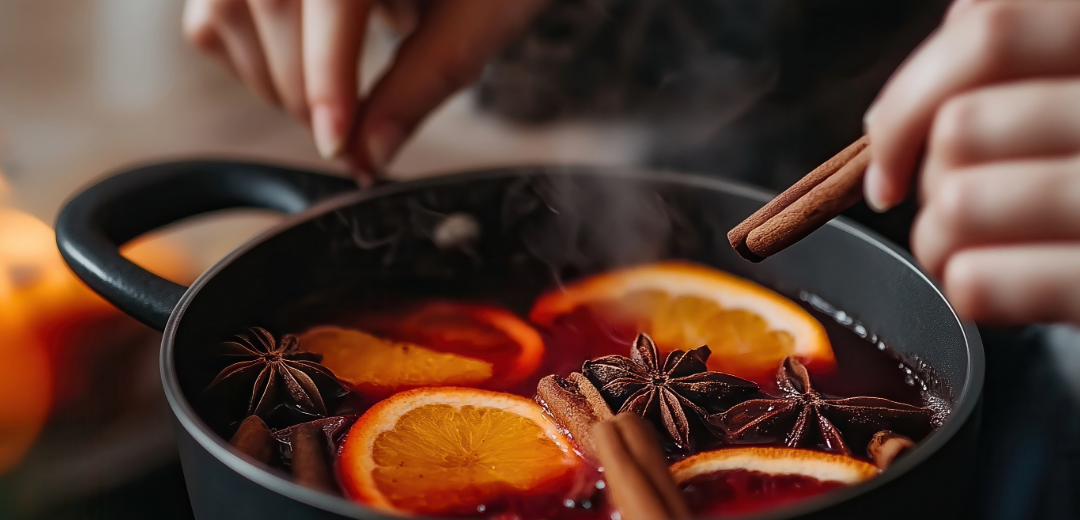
(807, 205)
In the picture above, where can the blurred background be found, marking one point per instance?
(756, 90)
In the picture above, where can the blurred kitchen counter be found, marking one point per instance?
(89, 86)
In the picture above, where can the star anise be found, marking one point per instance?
(283, 371)
(640, 384)
(802, 416)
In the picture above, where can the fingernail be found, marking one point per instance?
(382, 142)
(872, 189)
(329, 138)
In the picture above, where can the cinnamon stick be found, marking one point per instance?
(254, 440)
(638, 479)
(886, 446)
(597, 404)
(310, 460)
(805, 206)
(576, 405)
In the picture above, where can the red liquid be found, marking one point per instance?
(741, 492)
(575, 339)
(862, 369)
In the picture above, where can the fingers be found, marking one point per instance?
(1001, 167)
(302, 54)
(333, 31)
(999, 204)
(1001, 180)
(1006, 122)
(278, 26)
(225, 27)
(986, 42)
(447, 51)
(1014, 285)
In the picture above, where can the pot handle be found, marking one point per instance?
(95, 223)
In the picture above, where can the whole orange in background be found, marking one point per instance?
(45, 313)
(26, 383)
(25, 387)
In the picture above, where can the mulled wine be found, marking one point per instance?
(663, 390)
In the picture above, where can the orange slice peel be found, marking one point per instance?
(736, 481)
(825, 467)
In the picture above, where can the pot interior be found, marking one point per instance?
(538, 227)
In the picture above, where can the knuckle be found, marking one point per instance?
(328, 97)
(922, 239)
(990, 28)
(964, 286)
(951, 203)
(951, 124)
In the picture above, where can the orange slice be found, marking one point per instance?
(482, 332)
(379, 367)
(444, 451)
(749, 328)
(741, 480)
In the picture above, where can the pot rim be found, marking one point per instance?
(186, 416)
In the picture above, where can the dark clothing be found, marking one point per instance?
(754, 90)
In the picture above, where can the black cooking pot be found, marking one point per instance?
(507, 232)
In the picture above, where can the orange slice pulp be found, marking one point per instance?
(749, 328)
(453, 450)
(378, 367)
(478, 331)
(431, 344)
(741, 480)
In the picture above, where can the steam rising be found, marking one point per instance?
(592, 224)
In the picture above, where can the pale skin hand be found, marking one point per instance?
(303, 55)
(993, 99)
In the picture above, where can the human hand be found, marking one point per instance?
(303, 55)
(994, 96)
